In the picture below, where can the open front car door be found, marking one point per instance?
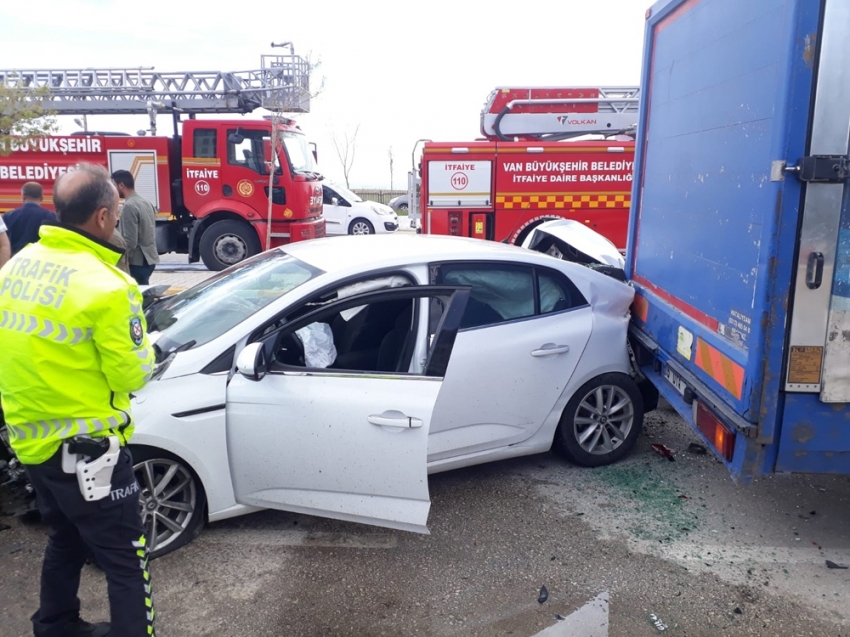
(329, 415)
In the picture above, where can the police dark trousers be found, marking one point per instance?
(112, 529)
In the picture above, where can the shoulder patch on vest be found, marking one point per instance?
(136, 331)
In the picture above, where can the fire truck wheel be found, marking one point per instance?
(228, 242)
(601, 422)
(361, 226)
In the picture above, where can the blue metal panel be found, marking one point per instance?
(726, 91)
(815, 436)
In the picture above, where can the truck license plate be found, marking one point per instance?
(675, 380)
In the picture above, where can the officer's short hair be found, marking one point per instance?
(33, 190)
(125, 178)
(76, 205)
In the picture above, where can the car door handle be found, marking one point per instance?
(550, 349)
(404, 422)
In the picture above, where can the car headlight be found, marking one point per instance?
(381, 211)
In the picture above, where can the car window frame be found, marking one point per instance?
(493, 264)
(439, 352)
(256, 334)
(341, 201)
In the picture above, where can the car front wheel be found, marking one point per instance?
(601, 422)
(171, 497)
(361, 226)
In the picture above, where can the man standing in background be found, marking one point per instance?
(23, 223)
(138, 227)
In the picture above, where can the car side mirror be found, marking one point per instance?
(251, 362)
(335, 201)
(236, 138)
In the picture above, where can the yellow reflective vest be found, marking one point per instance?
(73, 343)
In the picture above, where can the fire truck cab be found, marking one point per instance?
(224, 189)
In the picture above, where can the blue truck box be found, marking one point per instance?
(739, 238)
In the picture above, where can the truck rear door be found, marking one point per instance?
(724, 242)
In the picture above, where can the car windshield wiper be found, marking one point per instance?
(182, 348)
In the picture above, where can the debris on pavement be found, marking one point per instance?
(543, 596)
(697, 449)
(559, 617)
(661, 450)
(738, 611)
(4, 527)
(831, 564)
(659, 625)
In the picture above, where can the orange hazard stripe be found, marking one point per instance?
(720, 367)
(201, 161)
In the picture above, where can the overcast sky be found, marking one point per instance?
(402, 70)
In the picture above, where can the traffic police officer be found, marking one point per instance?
(74, 346)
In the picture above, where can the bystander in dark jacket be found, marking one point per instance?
(24, 223)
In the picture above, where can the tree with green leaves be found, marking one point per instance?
(23, 115)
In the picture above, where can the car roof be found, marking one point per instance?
(335, 254)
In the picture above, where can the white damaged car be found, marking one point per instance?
(330, 377)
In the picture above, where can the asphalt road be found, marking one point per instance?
(677, 540)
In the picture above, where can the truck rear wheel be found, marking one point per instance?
(228, 242)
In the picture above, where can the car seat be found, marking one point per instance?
(392, 352)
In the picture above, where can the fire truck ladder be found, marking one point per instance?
(281, 84)
(559, 113)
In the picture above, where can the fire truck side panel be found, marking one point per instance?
(586, 181)
(44, 160)
(589, 182)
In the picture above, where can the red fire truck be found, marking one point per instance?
(547, 153)
(210, 183)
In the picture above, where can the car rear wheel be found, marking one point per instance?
(601, 422)
(171, 497)
(361, 226)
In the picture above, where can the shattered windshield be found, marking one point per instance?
(200, 314)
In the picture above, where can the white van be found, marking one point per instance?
(346, 213)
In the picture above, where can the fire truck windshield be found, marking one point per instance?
(300, 157)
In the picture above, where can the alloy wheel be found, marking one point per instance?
(603, 419)
(361, 227)
(168, 500)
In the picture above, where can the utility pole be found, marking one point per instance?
(275, 121)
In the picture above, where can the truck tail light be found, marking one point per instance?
(454, 224)
(718, 434)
